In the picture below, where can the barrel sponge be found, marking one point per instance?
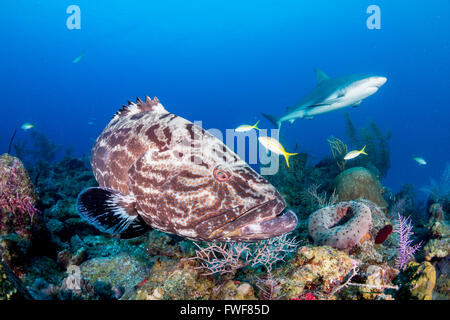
(340, 226)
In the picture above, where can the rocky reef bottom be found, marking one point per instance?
(52, 254)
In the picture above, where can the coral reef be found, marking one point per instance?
(11, 288)
(405, 251)
(359, 183)
(120, 270)
(56, 255)
(18, 215)
(228, 257)
(316, 270)
(418, 281)
(175, 280)
(17, 197)
(338, 150)
(326, 225)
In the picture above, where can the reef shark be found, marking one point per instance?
(331, 94)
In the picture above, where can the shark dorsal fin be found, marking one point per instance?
(320, 75)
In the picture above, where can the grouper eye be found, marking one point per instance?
(221, 175)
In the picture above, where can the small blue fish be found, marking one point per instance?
(77, 59)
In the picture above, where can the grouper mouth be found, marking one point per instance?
(265, 221)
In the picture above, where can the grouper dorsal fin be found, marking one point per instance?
(140, 106)
(320, 75)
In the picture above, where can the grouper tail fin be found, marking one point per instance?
(275, 120)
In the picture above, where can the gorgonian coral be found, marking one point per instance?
(405, 251)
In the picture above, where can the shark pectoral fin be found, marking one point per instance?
(317, 105)
(291, 121)
(356, 105)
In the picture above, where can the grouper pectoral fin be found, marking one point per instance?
(111, 211)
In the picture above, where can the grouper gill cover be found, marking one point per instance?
(158, 170)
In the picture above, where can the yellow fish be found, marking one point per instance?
(354, 154)
(247, 127)
(275, 146)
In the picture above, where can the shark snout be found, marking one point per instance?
(378, 81)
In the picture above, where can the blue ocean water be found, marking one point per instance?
(224, 62)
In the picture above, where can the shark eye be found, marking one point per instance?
(221, 175)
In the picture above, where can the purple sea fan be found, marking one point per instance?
(403, 228)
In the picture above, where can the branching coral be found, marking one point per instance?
(338, 150)
(321, 199)
(405, 251)
(269, 287)
(227, 257)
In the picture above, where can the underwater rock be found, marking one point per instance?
(42, 290)
(42, 267)
(11, 287)
(418, 281)
(169, 245)
(359, 183)
(437, 248)
(234, 290)
(436, 212)
(172, 280)
(65, 258)
(104, 291)
(377, 279)
(17, 198)
(442, 288)
(122, 270)
(439, 245)
(318, 270)
(340, 226)
(107, 246)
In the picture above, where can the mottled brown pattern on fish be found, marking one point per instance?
(147, 152)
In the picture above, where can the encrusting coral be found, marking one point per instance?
(359, 183)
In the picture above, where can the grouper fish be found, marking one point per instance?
(158, 170)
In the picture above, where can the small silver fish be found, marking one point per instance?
(355, 153)
(420, 160)
(27, 126)
(247, 127)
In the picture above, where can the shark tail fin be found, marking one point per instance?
(362, 151)
(275, 120)
(256, 125)
(287, 155)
